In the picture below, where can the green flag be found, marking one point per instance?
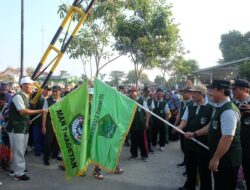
(70, 122)
(111, 116)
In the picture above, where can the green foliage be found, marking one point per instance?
(116, 77)
(131, 78)
(148, 35)
(182, 69)
(234, 45)
(160, 81)
(94, 39)
(244, 70)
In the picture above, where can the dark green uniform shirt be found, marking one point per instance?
(232, 157)
(18, 123)
(198, 117)
(245, 130)
(139, 122)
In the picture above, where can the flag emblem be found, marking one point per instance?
(76, 127)
(107, 127)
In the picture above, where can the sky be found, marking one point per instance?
(201, 23)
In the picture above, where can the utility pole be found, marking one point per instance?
(22, 29)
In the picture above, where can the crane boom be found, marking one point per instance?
(74, 10)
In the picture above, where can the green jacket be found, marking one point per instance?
(18, 123)
(197, 121)
(234, 155)
(139, 122)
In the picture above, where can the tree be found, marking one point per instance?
(64, 74)
(182, 69)
(160, 80)
(234, 45)
(116, 77)
(146, 36)
(93, 42)
(131, 78)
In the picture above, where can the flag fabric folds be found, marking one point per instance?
(70, 118)
(111, 116)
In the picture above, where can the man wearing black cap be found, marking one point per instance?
(50, 141)
(150, 103)
(187, 100)
(162, 110)
(242, 100)
(223, 137)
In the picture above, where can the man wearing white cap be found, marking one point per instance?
(18, 127)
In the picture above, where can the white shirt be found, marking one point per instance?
(166, 108)
(185, 115)
(228, 119)
(46, 106)
(18, 101)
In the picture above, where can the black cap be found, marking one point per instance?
(187, 89)
(220, 84)
(121, 87)
(56, 88)
(47, 88)
(240, 83)
(146, 89)
(159, 90)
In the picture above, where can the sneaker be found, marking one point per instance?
(181, 164)
(144, 159)
(11, 173)
(97, 174)
(22, 178)
(118, 170)
(46, 163)
(132, 157)
(162, 148)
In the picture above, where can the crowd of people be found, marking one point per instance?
(218, 116)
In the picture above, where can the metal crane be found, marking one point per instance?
(59, 51)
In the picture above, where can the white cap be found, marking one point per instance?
(91, 91)
(25, 80)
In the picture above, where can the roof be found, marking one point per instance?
(225, 71)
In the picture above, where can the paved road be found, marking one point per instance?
(159, 173)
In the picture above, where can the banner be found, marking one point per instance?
(111, 116)
(70, 118)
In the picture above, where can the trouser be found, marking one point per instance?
(246, 170)
(38, 139)
(149, 135)
(49, 144)
(138, 140)
(30, 140)
(18, 144)
(158, 127)
(225, 178)
(182, 143)
(197, 161)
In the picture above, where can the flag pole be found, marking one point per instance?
(174, 127)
